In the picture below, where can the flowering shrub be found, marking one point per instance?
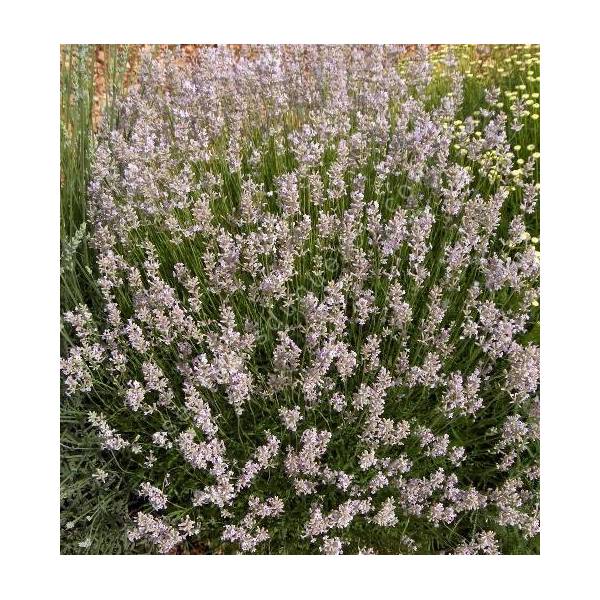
(312, 316)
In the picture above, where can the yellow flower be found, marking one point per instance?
(517, 147)
(531, 147)
(535, 117)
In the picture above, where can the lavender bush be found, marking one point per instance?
(309, 320)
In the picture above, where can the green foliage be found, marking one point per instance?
(102, 512)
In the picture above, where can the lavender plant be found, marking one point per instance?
(311, 312)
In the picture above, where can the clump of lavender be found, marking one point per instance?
(317, 285)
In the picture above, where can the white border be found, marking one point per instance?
(30, 297)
